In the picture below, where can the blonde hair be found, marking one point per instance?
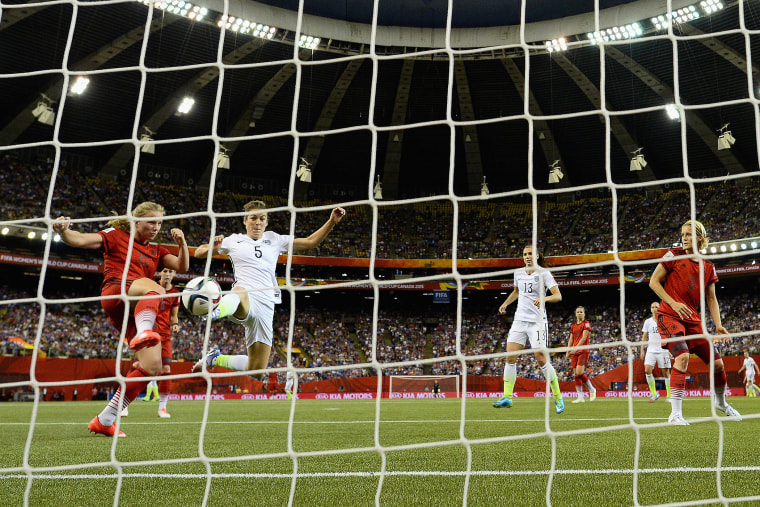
(140, 211)
(254, 205)
(699, 229)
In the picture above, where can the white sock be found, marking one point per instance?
(162, 399)
(590, 388)
(237, 363)
(550, 374)
(720, 396)
(228, 304)
(579, 390)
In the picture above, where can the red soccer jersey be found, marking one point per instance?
(165, 309)
(681, 282)
(576, 330)
(144, 260)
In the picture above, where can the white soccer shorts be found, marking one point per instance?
(534, 332)
(258, 323)
(661, 359)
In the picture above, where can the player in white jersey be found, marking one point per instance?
(530, 324)
(750, 368)
(289, 384)
(654, 353)
(255, 290)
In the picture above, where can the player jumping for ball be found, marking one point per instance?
(141, 263)
(254, 293)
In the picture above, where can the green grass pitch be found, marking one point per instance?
(354, 453)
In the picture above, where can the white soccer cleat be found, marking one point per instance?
(677, 420)
(163, 414)
(730, 412)
(209, 360)
(579, 400)
(125, 412)
(592, 395)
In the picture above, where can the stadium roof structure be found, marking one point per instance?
(598, 87)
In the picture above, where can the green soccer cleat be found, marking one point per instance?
(504, 402)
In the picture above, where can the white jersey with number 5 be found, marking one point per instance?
(530, 287)
(254, 262)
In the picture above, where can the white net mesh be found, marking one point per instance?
(466, 100)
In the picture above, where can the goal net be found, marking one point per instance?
(454, 133)
(422, 386)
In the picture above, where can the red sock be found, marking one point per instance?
(720, 379)
(136, 387)
(164, 386)
(678, 379)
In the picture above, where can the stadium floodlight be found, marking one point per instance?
(147, 138)
(638, 162)
(484, 188)
(186, 105)
(556, 45)
(673, 112)
(378, 190)
(304, 171)
(80, 85)
(308, 41)
(555, 173)
(686, 14)
(725, 139)
(753, 244)
(710, 6)
(57, 238)
(44, 111)
(621, 32)
(223, 161)
(5, 231)
(31, 235)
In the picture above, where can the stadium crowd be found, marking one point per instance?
(341, 340)
(578, 224)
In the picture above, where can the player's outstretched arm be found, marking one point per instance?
(89, 240)
(320, 234)
(179, 263)
(202, 251)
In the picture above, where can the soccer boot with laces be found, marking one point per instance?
(147, 338)
(592, 395)
(654, 398)
(96, 426)
(504, 402)
(579, 399)
(677, 420)
(208, 360)
(730, 411)
(163, 414)
(559, 405)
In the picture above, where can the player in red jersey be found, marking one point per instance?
(141, 259)
(679, 282)
(167, 324)
(580, 335)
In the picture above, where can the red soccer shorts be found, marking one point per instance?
(579, 359)
(673, 327)
(115, 310)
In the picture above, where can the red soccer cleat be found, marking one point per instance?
(147, 338)
(96, 426)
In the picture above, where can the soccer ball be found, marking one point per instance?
(200, 294)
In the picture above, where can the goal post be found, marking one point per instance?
(416, 385)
